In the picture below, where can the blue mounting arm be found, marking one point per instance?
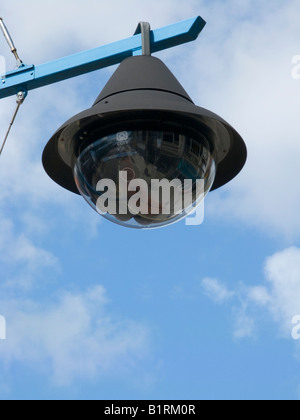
(28, 77)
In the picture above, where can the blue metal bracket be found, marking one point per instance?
(28, 77)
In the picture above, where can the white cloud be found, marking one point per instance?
(279, 295)
(216, 290)
(260, 295)
(250, 84)
(17, 248)
(282, 295)
(244, 325)
(21, 259)
(74, 338)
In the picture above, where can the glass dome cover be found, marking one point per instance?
(145, 178)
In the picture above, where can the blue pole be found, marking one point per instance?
(28, 77)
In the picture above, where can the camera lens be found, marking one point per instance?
(145, 178)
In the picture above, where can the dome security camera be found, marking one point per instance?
(144, 155)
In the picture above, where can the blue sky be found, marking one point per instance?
(94, 310)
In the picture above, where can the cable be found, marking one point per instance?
(10, 42)
(20, 99)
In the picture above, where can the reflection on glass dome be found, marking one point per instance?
(145, 179)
